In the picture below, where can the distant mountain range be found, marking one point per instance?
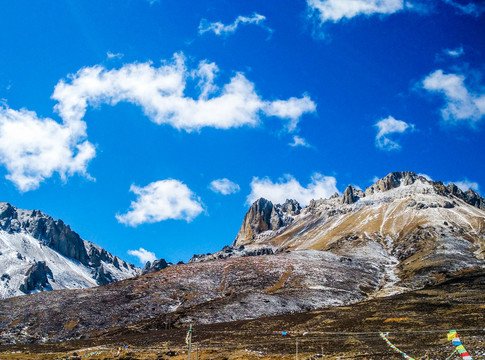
(402, 233)
(38, 253)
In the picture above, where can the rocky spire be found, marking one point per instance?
(262, 216)
(348, 196)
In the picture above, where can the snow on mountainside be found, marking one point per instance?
(426, 229)
(38, 253)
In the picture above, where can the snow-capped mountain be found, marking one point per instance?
(420, 228)
(38, 253)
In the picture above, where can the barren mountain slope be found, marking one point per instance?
(425, 227)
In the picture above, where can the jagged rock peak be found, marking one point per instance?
(157, 265)
(56, 235)
(470, 197)
(394, 180)
(263, 215)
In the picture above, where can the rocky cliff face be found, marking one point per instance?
(263, 216)
(157, 265)
(38, 253)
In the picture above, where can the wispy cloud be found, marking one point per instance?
(299, 141)
(159, 201)
(457, 52)
(224, 186)
(143, 255)
(111, 55)
(33, 149)
(462, 105)
(453, 53)
(337, 10)
(471, 8)
(220, 29)
(387, 127)
(289, 188)
(465, 184)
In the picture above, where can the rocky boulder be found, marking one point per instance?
(37, 278)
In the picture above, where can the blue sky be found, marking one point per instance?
(153, 124)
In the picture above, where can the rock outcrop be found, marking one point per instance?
(157, 265)
(37, 278)
(263, 216)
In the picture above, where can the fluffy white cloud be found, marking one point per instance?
(299, 141)
(159, 201)
(143, 255)
(336, 10)
(470, 8)
(219, 28)
(291, 109)
(387, 127)
(461, 104)
(224, 186)
(160, 93)
(465, 184)
(289, 188)
(33, 149)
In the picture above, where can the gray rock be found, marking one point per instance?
(348, 196)
(263, 216)
(157, 265)
(37, 278)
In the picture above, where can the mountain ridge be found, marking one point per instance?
(38, 253)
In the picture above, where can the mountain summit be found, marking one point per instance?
(417, 227)
(38, 253)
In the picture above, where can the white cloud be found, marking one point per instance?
(291, 109)
(219, 28)
(465, 184)
(159, 201)
(461, 104)
(143, 255)
(336, 10)
(224, 186)
(457, 52)
(160, 93)
(33, 149)
(299, 141)
(289, 188)
(470, 8)
(454, 53)
(387, 127)
(111, 55)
